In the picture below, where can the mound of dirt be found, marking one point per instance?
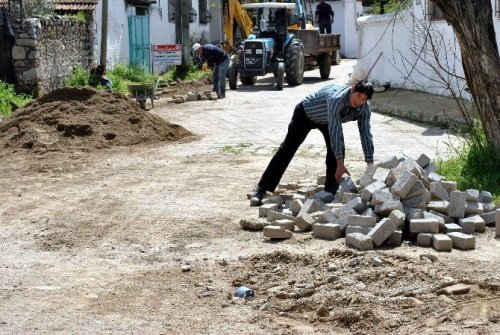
(85, 119)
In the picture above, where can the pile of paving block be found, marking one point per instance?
(194, 96)
(394, 199)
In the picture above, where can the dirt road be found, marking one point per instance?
(96, 242)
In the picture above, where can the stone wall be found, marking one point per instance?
(46, 50)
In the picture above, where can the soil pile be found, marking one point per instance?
(85, 119)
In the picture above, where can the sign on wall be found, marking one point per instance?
(167, 54)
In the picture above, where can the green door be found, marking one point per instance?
(138, 28)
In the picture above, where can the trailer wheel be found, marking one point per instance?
(232, 75)
(247, 80)
(336, 59)
(325, 65)
(280, 76)
(294, 62)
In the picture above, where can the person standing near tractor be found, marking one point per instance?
(219, 59)
(325, 110)
(324, 17)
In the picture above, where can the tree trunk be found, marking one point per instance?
(473, 26)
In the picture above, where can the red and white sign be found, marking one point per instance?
(168, 54)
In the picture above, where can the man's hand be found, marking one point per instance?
(341, 170)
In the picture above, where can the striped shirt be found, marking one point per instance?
(330, 105)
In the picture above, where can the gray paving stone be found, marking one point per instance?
(412, 166)
(424, 239)
(368, 191)
(287, 211)
(287, 224)
(275, 232)
(323, 197)
(489, 218)
(343, 220)
(413, 213)
(327, 217)
(398, 218)
(264, 209)
(462, 241)
(382, 231)
(485, 197)
(423, 160)
(446, 218)
(417, 189)
(439, 206)
(296, 206)
(273, 199)
(310, 206)
(346, 197)
(348, 186)
(326, 230)
(438, 192)
(426, 182)
(404, 184)
(361, 221)
(431, 167)
(382, 196)
(472, 195)
(381, 174)
(273, 215)
(359, 241)
(441, 242)
(424, 226)
(321, 180)
(254, 223)
(449, 186)
(388, 162)
(357, 229)
(387, 207)
(304, 222)
(452, 227)
(456, 209)
(420, 201)
(469, 224)
(433, 176)
(395, 239)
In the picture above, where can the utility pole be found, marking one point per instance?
(182, 9)
(104, 33)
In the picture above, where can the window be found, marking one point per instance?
(433, 11)
(171, 12)
(205, 15)
(497, 8)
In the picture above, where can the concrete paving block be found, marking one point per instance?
(346, 197)
(472, 208)
(485, 197)
(489, 207)
(413, 213)
(287, 211)
(382, 196)
(287, 224)
(275, 232)
(343, 220)
(441, 242)
(387, 207)
(368, 191)
(323, 197)
(462, 241)
(192, 96)
(327, 217)
(381, 174)
(456, 289)
(424, 239)
(254, 223)
(310, 206)
(273, 215)
(424, 226)
(370, 212)
(469, 224)
(264, 209)
(395, 239)
(295, 206)
(389, 162)
(398, 218)
(420, 201)
(300, 197)
(446, 218)
(412, 166)
(348, 186)
(472, 195)
(480, 227)
(357, 229)
(452, 228)
(430, 168)
(439, 206)
(404, 184)
(273, 199)
(433, 176)
(417, 189)
(426, 182)
(288, 186)
(423, 160)
(304, 222)
(333, 206)
(456, 208)
(316, 215)
(326, 230)
(449, 186)
(391, 179)
(361, 221)
(440, 218)
(359, 241)
(489, 218)
(382, 231)
(438, 192)
(357, 204)
(497, 224)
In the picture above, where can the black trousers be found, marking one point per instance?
(325, 26)
(298, 129)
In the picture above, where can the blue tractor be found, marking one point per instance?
(270, 48)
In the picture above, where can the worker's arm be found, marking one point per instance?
(365, 133)
(335, 104)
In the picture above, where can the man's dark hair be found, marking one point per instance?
(365, 88)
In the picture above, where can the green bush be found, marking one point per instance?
(10, 100)
(79, 77)
(390, 6)
(473, 164)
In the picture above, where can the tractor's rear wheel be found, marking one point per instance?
(325, 65)
(247, 80)
(232, 75)
(294, 62)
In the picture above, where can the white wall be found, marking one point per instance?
(408, 59)
(346, 13)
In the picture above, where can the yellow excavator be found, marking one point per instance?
(235, 16)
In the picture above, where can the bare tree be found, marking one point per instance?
(473, 26)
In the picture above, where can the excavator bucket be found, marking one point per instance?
(235, 13)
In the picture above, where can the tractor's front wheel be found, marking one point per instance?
(325, 65)
(280, 76)
(294, 62)
(232, 76)
(247, 80)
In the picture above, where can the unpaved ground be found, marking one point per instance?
(94, 242)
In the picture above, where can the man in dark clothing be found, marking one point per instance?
(324, 110)
(217, 58)
(324, 17)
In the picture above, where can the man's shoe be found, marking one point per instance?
(256, 197)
